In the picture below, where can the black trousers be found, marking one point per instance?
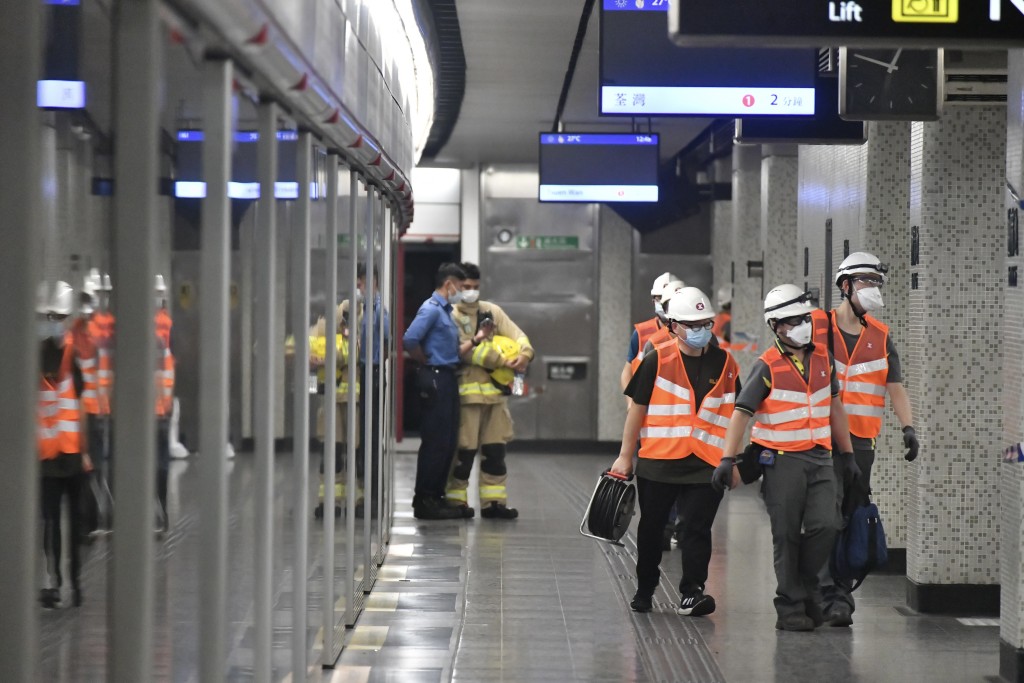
(697, 506)
(163, 461)
(54, 490)
(374, 397)
(439, 430)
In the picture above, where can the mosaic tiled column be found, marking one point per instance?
(1011, 475)
(721, 232)
(615, 264)
(747, 302)
(778, 221)
(954, 359)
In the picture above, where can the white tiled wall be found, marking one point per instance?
(954, 354)
(1012, 475)
(863, 189)
(778, 226)
(747, 304)
(614, 269)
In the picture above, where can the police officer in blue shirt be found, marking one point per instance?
(433, 340)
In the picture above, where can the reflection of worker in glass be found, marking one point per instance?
(375, 389)
(317, 339)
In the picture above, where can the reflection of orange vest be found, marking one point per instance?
(165, 375)
(674, 427)
(862, 375)
(85, 357)
(721, 320)
(644, 331)
(57, 411)
(795, 415)
(101, 331)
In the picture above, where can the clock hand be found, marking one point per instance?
(889, 67)
(892, 66)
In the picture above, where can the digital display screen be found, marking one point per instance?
(588, 167)
(244, 166)
(60, 94)
(643, 73)
(824, 128)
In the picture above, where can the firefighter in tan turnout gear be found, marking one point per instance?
(492, 349)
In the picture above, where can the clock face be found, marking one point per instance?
(889, 84)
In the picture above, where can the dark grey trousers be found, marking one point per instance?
(801, 500)
(834, 590)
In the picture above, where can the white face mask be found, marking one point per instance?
(870, 298)
(470, 296)
(456, 297)
(801, 334)
(659, 310)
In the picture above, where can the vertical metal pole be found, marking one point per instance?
(214, 367)
(20, 192)
(330, 400)
(264, 276)
(385, 340)
(300, 413)
(352, 419)
(137, 76)
(370, 407)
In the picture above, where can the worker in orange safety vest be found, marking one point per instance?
(792, 393)
(868, 367)
(683, 396)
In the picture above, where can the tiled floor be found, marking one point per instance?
(527, 600)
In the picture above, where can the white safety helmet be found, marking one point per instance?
(689, 304)
(660, 282)
(724, 296)
(671, 288)
(785, 301)
(92, 282)
(861, 262)
(159, 285)
(107, 286)
(59, 301)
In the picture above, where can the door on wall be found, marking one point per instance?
(416, 281)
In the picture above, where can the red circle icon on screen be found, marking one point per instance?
(748, 100)
(622, 193)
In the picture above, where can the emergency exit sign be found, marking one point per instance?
(549, 243)
(975, 24)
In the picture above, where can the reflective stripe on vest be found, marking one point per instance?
(795, 415)
(862, 375)
(57, 411)
(644, 331)
(479, 389)
(674, 427)
(493, 492)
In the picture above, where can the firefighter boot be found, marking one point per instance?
(493, 495)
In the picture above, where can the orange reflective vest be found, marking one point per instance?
(644, 331)
(862, 374)
(101, 331)
(675, 426)
(85, 358)
(721, 320)
(165, 374)
(57, 411)
(795, 415)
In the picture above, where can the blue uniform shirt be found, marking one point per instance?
(376, 331)
(434, 330)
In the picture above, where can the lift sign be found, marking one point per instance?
(567, 371)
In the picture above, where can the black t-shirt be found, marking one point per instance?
(703, 372)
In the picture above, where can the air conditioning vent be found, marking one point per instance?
(975, 78)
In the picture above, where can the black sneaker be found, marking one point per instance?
(696, 605)
(50, 598)
(432, 509)
(794, 622)
(839, 615)
(641, 602)
(813, 610)
(495, 510)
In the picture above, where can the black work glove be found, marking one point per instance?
(721, 478)
(910, 441)
(851, 471)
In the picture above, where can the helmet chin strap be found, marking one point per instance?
(857, 311)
